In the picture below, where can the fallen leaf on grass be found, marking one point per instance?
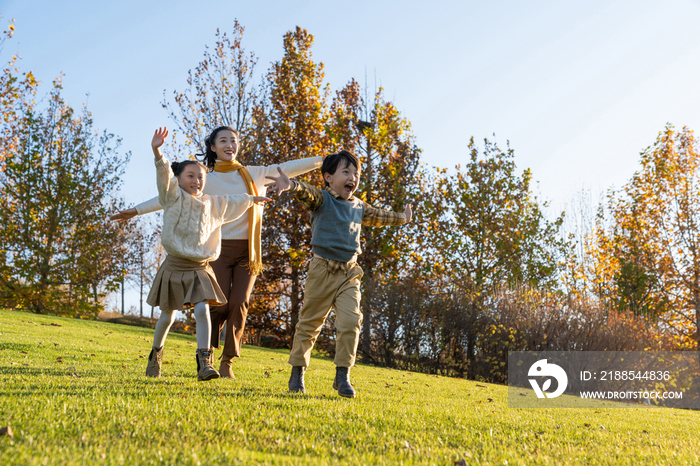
(183, 395)
(30, 322)
(278, 441)
(460, 463)
(13, 363)
(103, 456)
(123, 366)
(408, 445)
(7, 431)
(22, 352)
(482, 386)
(587, 425)
(59, 359)
(645, 432)
(267, 374)
(602, 427)
(534, 452)
(490, 399)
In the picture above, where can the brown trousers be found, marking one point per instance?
(237, 284)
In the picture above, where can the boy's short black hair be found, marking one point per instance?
(331, 162)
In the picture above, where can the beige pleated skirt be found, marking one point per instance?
(181, 283)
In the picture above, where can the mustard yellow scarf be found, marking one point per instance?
(255, 266)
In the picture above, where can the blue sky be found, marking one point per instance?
(578, 88)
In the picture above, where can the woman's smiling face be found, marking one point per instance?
(225, 145)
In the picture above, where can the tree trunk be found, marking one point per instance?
(367, 299)
(471, 323)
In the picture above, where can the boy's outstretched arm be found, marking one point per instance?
(375, 217)
(310, 197)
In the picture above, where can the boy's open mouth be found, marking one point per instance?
(349, 187)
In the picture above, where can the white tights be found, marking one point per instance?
(201, 317)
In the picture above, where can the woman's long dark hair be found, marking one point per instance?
(209, 157)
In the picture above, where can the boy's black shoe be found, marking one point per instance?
(296, 381)
(342, 382)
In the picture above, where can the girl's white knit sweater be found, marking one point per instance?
(223, 183)
(191, 223)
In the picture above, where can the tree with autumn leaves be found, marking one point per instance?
(58, 180)
(646, 245)
(292, 116)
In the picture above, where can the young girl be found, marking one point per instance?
(191, 237)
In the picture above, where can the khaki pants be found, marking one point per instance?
(323, 291)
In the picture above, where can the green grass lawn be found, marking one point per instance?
(74, 392)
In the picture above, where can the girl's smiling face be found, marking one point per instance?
(225, 145)
(192, 179)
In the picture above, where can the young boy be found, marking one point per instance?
(334, 275)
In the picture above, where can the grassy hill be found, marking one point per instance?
(74, 392)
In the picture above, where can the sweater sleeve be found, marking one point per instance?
(294, 168)
(310, 196)
(234, 205)
(168, 188)
(375, 217)
(149, 206)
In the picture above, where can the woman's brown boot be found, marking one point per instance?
(225, 367)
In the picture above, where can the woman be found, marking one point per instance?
(240, 260)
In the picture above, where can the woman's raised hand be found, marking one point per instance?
(159, 137)
(280, 183)
(260, 200)
(124, 215)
